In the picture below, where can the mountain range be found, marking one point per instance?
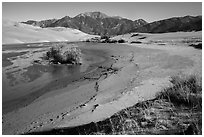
(92, 23)
(98, 23)
(187, 23)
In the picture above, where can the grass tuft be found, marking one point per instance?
(185, 91)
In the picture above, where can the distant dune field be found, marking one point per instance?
(14, 32)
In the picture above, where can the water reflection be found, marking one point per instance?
(59, 71)
(34, 80)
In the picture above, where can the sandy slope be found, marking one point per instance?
(142, 71)
(14, 32)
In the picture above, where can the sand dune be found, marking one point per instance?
(14, 32)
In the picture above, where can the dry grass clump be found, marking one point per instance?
(63, 54)
(186, 91)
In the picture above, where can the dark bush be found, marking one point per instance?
(121, 41)
(105, 37)
(112, 41)
(87, 40)
(64, 55)
(197, 46)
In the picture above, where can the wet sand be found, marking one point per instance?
(5, 56)
(59, 77)
(108, 87)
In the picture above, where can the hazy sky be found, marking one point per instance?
(132, 10)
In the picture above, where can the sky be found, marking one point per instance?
(23, 11)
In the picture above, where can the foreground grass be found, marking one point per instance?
(175, 110)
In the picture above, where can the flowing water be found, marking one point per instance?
(23, 81)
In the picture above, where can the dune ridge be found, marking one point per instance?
(14, 32)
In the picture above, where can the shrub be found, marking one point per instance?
(121, 41)
(87, 40)
(112, 41)
(105, 37)
(64, 55)
(53, 53)
(72, 56)
(197, 46)
(109, 41)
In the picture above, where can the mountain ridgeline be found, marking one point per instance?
(98, 23)
(187, 23)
